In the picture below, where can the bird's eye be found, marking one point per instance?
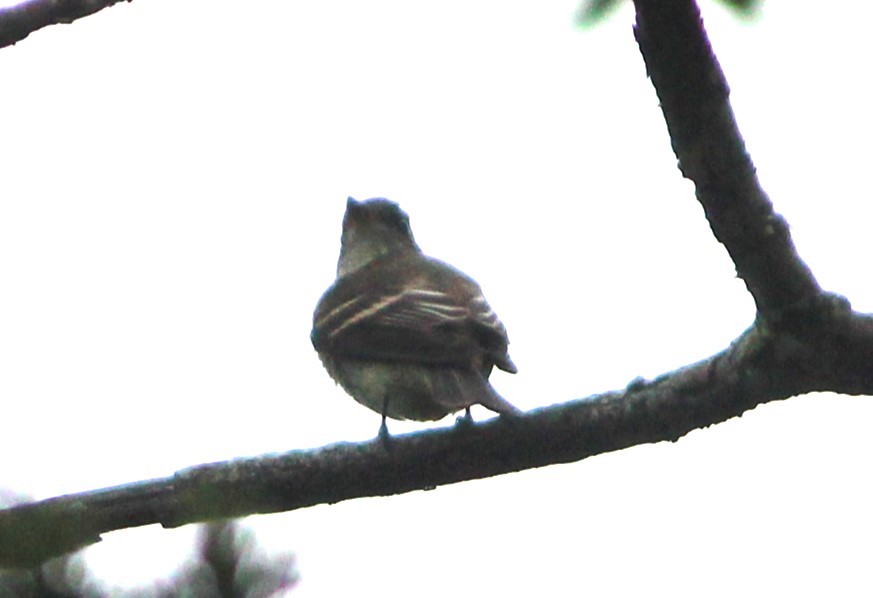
(399, 220)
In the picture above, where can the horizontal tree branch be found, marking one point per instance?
(19, 21)
(757, 368)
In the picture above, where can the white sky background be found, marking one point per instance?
(174, 178)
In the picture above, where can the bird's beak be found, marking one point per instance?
(353, 213)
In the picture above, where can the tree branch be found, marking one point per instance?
(757, 368)
(17, 22)
(694, 99)
(803, 340)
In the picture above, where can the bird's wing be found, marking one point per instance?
(424, 320)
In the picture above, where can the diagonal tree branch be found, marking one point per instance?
(17, 22)
(803, 340)
(704, 134)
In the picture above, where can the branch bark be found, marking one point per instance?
(17, 22)
(704, 134)
(803, 340)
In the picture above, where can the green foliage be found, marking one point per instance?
(594, 12)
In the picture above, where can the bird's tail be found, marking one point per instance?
(459, 389)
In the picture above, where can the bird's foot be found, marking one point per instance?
(384, 435)
(465, 421)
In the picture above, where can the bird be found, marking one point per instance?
(405, 334)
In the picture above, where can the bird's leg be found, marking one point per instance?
(383, 429)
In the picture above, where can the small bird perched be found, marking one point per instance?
(405, 334)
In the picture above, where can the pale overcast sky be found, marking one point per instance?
(175, 175)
